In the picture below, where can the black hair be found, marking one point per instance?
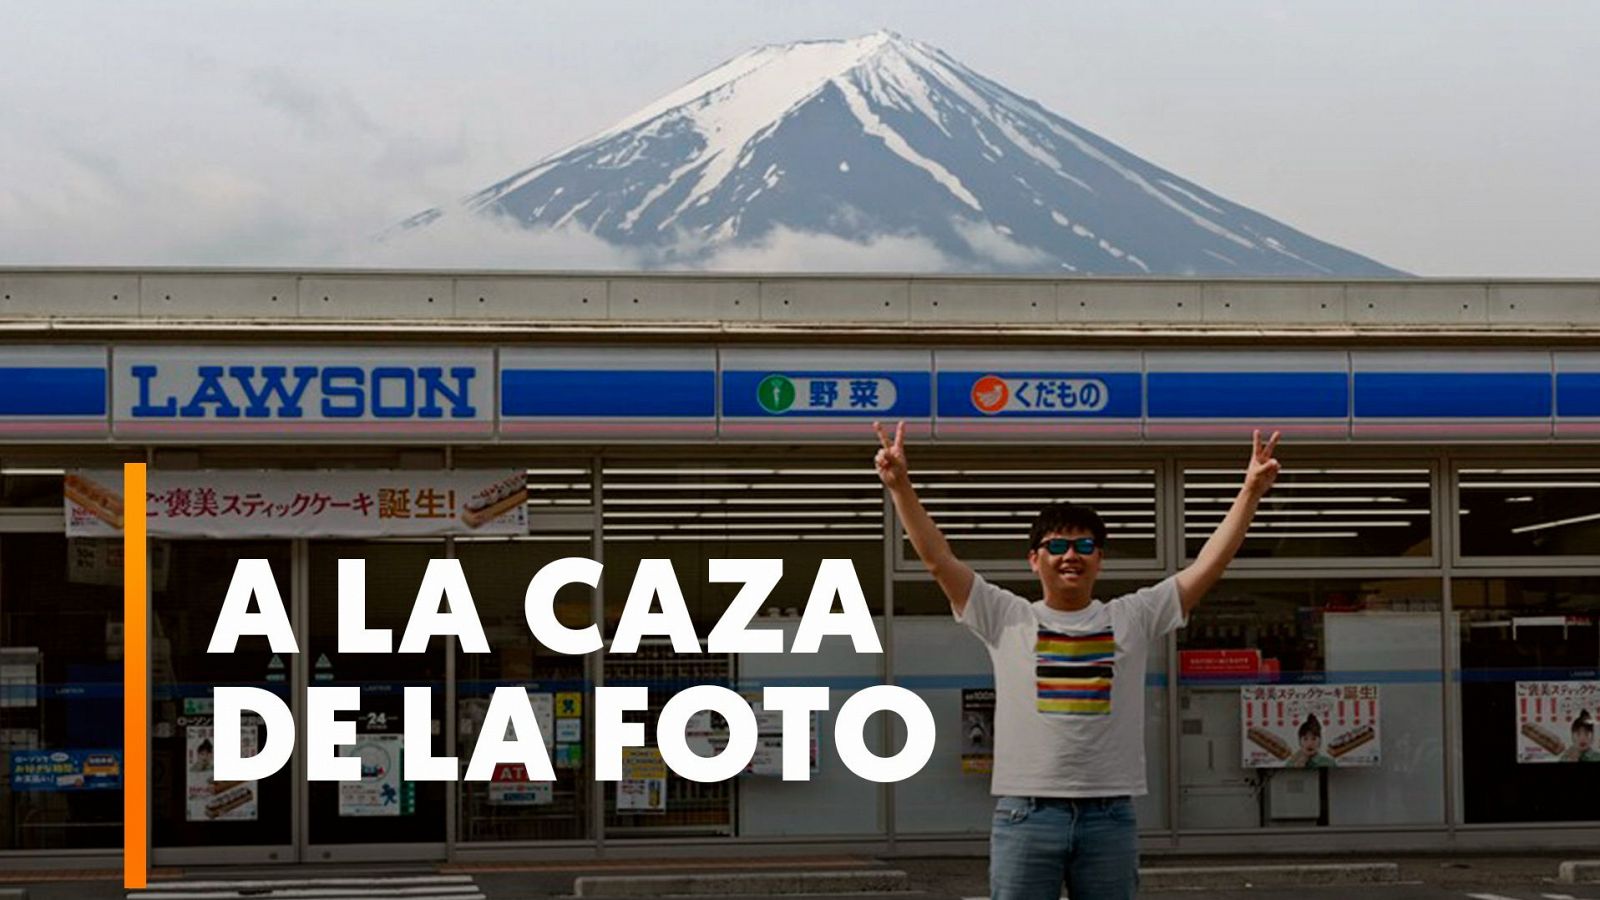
(1066, 517)
(1311, 726)
(1582, 722)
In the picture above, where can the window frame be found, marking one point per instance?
(1302, 564)
(1522, 564)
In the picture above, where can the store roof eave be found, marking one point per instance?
(472, 331)
(325, 299)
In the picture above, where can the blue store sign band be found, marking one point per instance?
(530, 394)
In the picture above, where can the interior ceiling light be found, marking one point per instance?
(989, 536)
(1275, 535)
(1530, 471)
(1029, 514)
(1026, 500)
(744, 501)
(743, 486)
(534, 537)
(1575, 520)
(1299, 471)
(1342, 523)
(1066, 473)
(1220, 513)
(1233, 487)
(737, 514)
(1041, 485)
(1274, 499)
(1524, 485)
(744, 538)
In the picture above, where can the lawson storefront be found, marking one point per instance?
(1422, 581)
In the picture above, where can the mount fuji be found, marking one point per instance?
(886, 136)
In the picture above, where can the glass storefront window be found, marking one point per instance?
(1529, 512)
(511, 808)
(801, 512)
(60, 693)
(1530, 689)
(765, 804)
(191, 808)
(1271, 654)
(1318, 512)
(985, 511)
(949, 668)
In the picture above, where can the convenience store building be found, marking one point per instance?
(1435, 535)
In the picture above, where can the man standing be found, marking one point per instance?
(1069, 683)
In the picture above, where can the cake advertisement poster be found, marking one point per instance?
(1556, 721)
(1310, 726)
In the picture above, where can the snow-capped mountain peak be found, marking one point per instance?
(885, 135)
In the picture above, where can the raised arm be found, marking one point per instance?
(953, 576)
(1202, 575)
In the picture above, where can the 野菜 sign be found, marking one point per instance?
(788, 392)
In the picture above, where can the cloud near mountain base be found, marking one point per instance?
(786, 250)
(482, 242)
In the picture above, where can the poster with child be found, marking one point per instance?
(1309, 726)
(1556, 721)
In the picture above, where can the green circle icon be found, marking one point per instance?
(775, 394)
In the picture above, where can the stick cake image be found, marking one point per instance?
(493, 502)
(1350, 740)
(1269, 742)
(103, 502)
(1544, 737)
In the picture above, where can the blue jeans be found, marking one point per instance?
(1040, 844)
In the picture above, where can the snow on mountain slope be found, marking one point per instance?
(886, 136)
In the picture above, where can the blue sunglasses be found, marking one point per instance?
(1058, 546)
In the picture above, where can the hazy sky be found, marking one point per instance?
(1443, 138)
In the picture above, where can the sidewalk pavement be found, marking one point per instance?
(937, 877)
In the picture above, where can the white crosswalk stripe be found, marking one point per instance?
(416, 887)
(1541, 896)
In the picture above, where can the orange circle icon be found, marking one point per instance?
(990, 394)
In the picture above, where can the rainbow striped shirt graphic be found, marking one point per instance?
(1074, 672)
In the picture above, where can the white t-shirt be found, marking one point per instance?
(1069, 688)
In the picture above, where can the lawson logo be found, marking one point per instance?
(165, 390)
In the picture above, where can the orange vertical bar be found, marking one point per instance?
(135, 682)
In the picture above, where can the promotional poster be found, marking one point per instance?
(1556, 721)
(1311, 727)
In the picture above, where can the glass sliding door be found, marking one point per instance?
(383, 815)
(196, 818)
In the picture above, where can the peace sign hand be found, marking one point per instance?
(1263, 468)
(891, 459)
